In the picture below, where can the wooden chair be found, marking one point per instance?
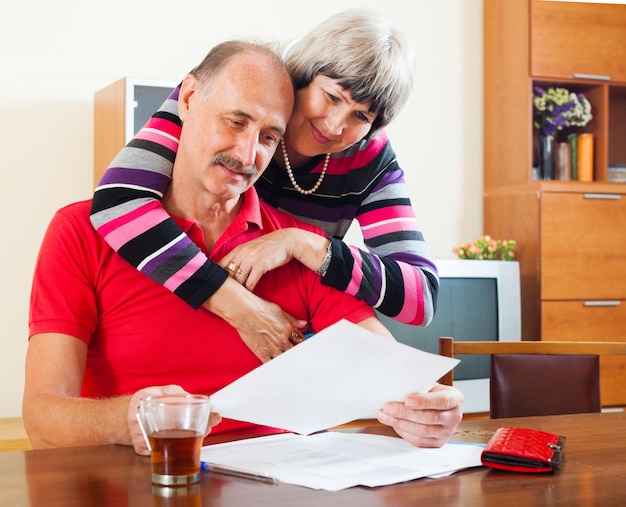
(538, 377)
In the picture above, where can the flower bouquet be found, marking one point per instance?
(556, 108)
(487, 248)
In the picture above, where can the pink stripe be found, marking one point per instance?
(164, 125)
(379, 215)
(111, 225)
(133, 228)
(357, 273)
(185, 273)
(362, 157)
(389, 228)
(413, 307)
(158, 138)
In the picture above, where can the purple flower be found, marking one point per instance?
(556, 108)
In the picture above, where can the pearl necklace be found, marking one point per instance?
(293, 180)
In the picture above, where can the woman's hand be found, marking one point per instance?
(264, 327)
(248, 262)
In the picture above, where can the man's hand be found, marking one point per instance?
(136, 435)
(428, 419)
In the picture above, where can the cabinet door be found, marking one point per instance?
(576, 321)
(582, 246)
(567, 39)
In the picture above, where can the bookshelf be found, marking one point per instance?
(571, 235)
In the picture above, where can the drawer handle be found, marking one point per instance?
(602, 303)
(599, 77)
(612, 197)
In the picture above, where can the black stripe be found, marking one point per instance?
(393, 300)
(105, 198)
(339, 271)
(376, 205)
(153, 147)
(202, 284)
(140, 247)
(393, 237)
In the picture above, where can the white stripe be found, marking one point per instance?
(159, 251)
(133, 187)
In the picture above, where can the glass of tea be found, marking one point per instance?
(174, 426)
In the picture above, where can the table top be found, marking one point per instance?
(594, 473)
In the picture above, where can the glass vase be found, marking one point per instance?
(546, 157)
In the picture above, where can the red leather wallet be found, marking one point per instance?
(524, 450)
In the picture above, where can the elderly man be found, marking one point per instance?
(102, 335)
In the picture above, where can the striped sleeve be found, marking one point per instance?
(127, 212)
(395, 274)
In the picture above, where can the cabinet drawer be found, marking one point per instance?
(583, 246)
(569, 38)
(573, 321)
(583, 321)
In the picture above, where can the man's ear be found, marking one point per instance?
(188, 89)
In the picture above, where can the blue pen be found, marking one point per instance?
(237, 472)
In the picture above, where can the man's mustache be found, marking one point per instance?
(235, 165)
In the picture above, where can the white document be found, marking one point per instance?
(341, 374)
(334, 460)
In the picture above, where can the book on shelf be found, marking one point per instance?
(585, 157)
(617, 173)
(572, 140)
(562, 161)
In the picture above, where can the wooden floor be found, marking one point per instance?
(13, 435)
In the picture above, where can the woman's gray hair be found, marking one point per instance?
(368, 56)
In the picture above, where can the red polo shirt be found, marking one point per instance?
(139, 334)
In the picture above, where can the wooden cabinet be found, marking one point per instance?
(582, 321)
(120, 110)
(583, 246)
(578, 40)
(571, 235)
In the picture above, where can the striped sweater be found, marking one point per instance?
(395, 274)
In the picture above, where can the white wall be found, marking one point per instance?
(56, 54)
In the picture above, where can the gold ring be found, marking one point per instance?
(296, 337)
(232, 267)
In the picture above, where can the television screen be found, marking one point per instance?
(467, 309)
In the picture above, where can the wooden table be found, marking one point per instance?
(594, 473)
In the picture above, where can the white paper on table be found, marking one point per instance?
(335, 460)
(341, 374)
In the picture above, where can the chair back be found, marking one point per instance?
(538, 377)
(543, 384)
